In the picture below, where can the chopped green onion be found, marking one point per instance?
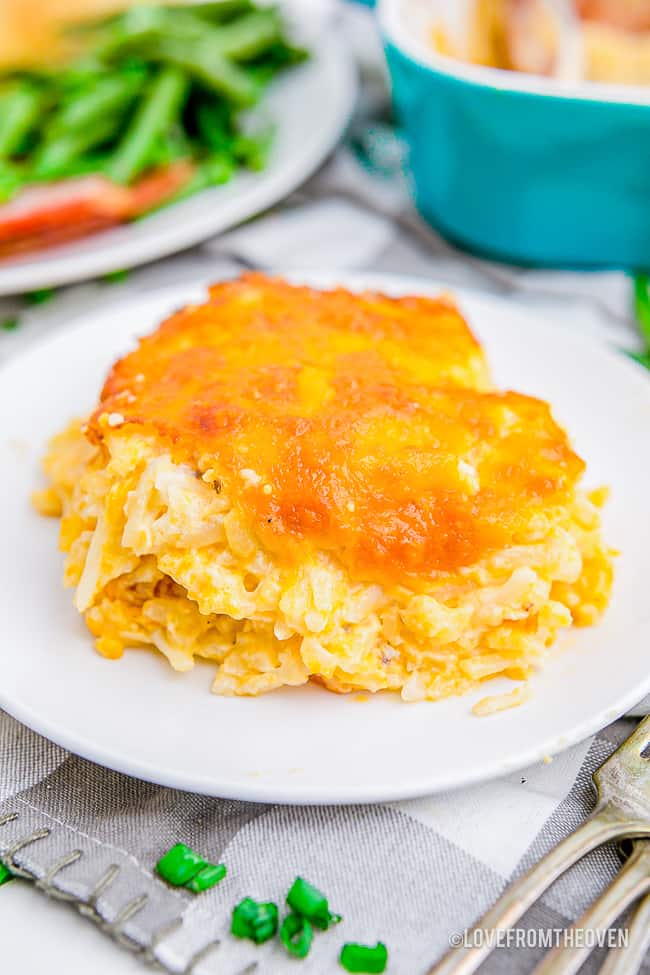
(363, 958)
(5, 874)
(9, 324)
(208, 877)
(308, 901)
(40, 296)
(642, 305)
(116, 277)
(296, 934)
(254, 920)
(180, 865)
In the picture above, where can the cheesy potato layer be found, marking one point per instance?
(300, 485)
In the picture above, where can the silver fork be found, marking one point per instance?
(622, 812)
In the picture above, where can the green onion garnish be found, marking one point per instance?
(309, 902)
(5, 874)
(296, 934)
(9, 324)
(40, 296)
(254, 920)
(208, 877)
(180, 865)
(363, 958)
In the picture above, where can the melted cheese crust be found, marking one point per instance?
(343, 423)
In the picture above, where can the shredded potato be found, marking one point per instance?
(501, 702)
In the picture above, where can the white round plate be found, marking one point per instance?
(306, 745)
(310, 105)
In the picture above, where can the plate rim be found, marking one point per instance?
(266, 792)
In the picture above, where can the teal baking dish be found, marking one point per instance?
(525, 169)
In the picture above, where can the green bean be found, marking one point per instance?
(248, 36)
(275, 59)
(19, 110)
(141, 25)
(154, 117)
(214, 11)
(217, 10)
(214, 124)
(240, 40)
(128, 32)
(105, 98)
(218, 169)
(213, 171)
(281, 55)
(87, 164)
(12, 179)
(171, 146)
(82, 74)
(253, 150)
(56, 157)
(208, 66)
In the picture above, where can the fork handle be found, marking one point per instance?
(601, 827)
(632, 881)
(628, 960)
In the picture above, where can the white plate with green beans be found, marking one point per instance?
(170, 124)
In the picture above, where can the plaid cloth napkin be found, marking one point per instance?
(411, 874)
